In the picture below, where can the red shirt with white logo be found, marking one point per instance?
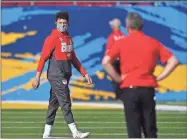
(112, 38)
(138, 54)
(58, 48)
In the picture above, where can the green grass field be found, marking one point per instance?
(101, 123)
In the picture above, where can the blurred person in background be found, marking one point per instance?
(138, 55)
(58, 48)
(116, 35)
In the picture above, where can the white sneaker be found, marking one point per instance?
(79, 134)
(46, 137)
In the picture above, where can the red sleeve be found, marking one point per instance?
(48, 47)
(114, 52)
(78, 65)
(109, 44)
(164, 53)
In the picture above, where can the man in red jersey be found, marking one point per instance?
(113, 37)
(58, 48)
(138, 54)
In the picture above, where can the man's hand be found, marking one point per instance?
(119, 78)
(36, 83)
(88, 79)
(106, 62)
(172, 63)
(123, 77)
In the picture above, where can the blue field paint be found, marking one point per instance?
(89, 29)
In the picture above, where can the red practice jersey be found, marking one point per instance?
(58, 48)
(112, 38)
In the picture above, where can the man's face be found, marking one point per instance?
(62, 25)
(61, 21)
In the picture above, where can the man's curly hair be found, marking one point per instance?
(62, 15)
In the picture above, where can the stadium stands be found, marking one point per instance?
(54, 3)
(67, 3)
(96, 3)
(89, 3)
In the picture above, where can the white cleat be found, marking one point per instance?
(79, 134)
(47, 137)
(50, 137)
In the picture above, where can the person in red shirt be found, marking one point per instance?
(113, 37)
(138, 54)
(58, 49)
(116, 34)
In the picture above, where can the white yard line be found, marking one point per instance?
(58, 127)
(87, 117)
(95, 134)
(101, 105)
(86, 112)
(89, 122)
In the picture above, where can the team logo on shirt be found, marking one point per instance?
(68, 54)
(64, 81)
(118, 37)
(65, 47)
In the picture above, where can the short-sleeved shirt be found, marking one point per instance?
(138, 54)
(112, 38)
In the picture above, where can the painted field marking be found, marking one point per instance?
(89, 122)
(116, 134)
(100, 105)
(86, 117)
(57, 127)
(87, 113)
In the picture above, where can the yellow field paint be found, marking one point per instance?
(100, 75)
(26, 86)
(109, 78)
(27, 55)
(176, 81)
(12, 37)
(12, 68)
(6, 54)
(84, 94)
(23, 106)
(45, 106)
(82, 84)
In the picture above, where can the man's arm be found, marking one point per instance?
(46, 52)
(172, 63)
(166, 57)
(106, 62)
(112, 54)
(76, 63)
(109, 44)
(80, 68)
(47, 49)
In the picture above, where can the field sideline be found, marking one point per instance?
(88, 105)
(102, 123)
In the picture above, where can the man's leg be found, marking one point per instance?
(130, 98)
(117, 89)
(51, 113)
(148, 112)
(63, 95)
(116, 86)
